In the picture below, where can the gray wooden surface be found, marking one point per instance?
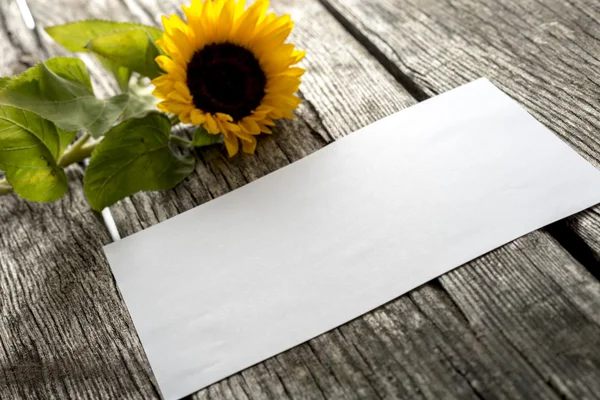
(519, 322)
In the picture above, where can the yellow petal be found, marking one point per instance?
(161, 94)
(220, 126)
(160, 80)
(231, 144)
(249, 147)
(172, 23)
(171, 67)
(250, 126)
(231, 127)
(298, 56)
(182, 88)
(281, 101)
(246, 25)
(224, 117)
(271, 25)
(293, 71)
(193, 11)
(278, 60)
(207, 21)
(175, 95)
(185, 117)
(284, 83)
(225, 21)
(197, 117)
(174, 107)
(182, 41)
(239, 9)
(267, 122)
(265, 129)
(193, 14)
(211, 124)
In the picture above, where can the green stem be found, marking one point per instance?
(174, 120)
(79, 151)
(181, 140)
(5, 187)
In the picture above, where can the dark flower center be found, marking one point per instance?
(226, 78)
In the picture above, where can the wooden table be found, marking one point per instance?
(520, 322)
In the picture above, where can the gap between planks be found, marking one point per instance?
(362, 340)
(561, 231)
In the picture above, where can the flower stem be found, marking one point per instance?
(181, 140)
(174, 119)
(5, 187)
(79, 151)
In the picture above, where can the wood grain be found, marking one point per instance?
(343, 92)
(586, 226)
(18, 47)
(544, 53)
(520, 322)
(64, 330)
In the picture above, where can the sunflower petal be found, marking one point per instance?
(247, 23)
(197, 117)
(211, 124)
(225, 21)
(172, 23)
(231, 127)
(184, 117)
(224, 117)
(250, 126)
(171, 67)
(249, 147)
(174, 107)
(175, 95)
(231, 144)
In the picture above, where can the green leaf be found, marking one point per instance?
(122, 47)
(75, 36)
(203, 138)
(133, 48)
(71, 70)
(121, 74)
(30, 148)
(141, 101)
(4, 81)
(65, 139)
(134, 156)
(60, 90)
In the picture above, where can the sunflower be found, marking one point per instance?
(229, 70)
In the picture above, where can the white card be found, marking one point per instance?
(334, 235)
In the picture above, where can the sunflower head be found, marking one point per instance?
(228, 69)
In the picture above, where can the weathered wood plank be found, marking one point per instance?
(544, 53)
(18, 48)
(64, 331)
(477, 337)
(343, 94)
(587, 226)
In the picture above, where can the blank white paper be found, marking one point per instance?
(334, 235)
